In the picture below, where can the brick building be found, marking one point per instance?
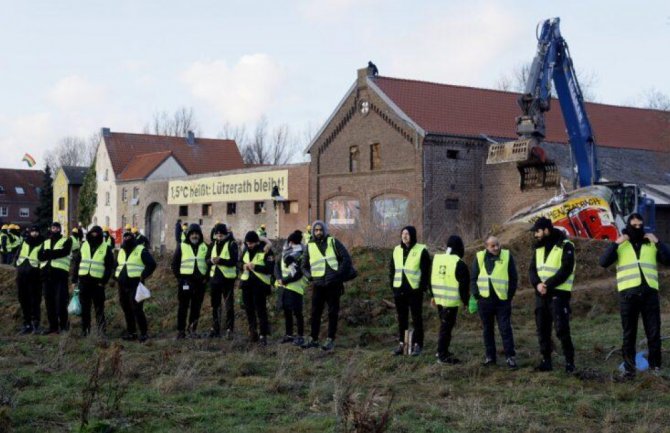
(398, 151)
(19, 195)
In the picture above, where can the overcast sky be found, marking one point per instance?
(71, 67)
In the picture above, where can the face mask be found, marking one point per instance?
(634, 233)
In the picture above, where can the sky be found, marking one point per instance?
(70, 67)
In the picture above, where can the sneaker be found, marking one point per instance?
(214, 334)
(310, 344)
(180, 335)
(448, 359)
(570, 367)
(545, 365)
(128, 336)
(27, 329)
(511, 363)
(628, 375)
(229, 334)
(416, 350)
(299, 341)
(329, 345)
(263, 340)
(399, 350)
(287, 339)
(143, 338)
(489, 362)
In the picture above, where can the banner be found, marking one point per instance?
(256, 186)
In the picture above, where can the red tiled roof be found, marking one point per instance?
(469, 111)
(29, 180)
(205, 156)
(143, 165)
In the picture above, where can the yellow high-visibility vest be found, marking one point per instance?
(227, 271)
(27, 254)
(318, 262)
(64, 262)
(189, 260)
(296, 286)
(443, 280)
(628, 266)
(412, 267)
(259, 259)
(94, 266)
(548, 269)
(499, 278)
(134, 264)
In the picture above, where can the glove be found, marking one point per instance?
(472, 305)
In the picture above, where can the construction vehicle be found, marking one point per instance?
(552, 63)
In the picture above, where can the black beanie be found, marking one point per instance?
(252, 237)
(295, 237)
(221, 228)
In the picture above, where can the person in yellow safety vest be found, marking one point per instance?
(128, 228)
(307, 236)
(409, 277)
(92, 269)
(289, 276)
(257, 265)
(552, 273)
(182, 233)
(108, 238)
(326, 263)
(76, 244)
(55, 264)
(261, 231)
(449, 289)
(189, 266)
(15, 242)
(637, 255)
(212, 232)
(29, 280)
(134, 265)
(493, 283)
(4, 241)
(222, 257)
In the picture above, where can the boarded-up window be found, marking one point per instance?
(206, 210)
(61, 203)
(375, 157)
(231, 208)
(451, 204)
(342, 211)
(183, 210)
(259, 207)
(390, 212)
(354, 157)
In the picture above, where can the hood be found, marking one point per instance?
(412, 235)
(98, 239)
(34, 241)
(194, 228)
(323, 225)
(456, 244)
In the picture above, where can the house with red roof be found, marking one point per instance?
(132, 172)
(397, 151)
(19, 195)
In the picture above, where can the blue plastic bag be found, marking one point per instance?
(641, 363)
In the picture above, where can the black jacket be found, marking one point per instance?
(331, 276)
(233, 251)
(110, 268)
(25, 268)
(149, 268)
(424, 266)
(610, 257)
(290, 257)
(266, 268)
(489, 263)
(557, 237)
(45, 255)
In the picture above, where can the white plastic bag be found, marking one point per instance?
(142, 293)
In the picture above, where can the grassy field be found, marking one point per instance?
(69, 383)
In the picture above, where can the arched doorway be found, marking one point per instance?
(154, 225)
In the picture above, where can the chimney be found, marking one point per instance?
(190, 138)
(106, 132)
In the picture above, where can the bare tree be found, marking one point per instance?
(72, 151)
(656, 100)
(176, 124)
(517, 79)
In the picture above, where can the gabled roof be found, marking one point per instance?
(75, 175)
(467, 111)
(143, 165)
(204, 156)
(29, 180)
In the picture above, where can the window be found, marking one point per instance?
(4, 211)
(2, 189)
(259, 207)
(286, 205)
(136, 192)
(124, 221)
(354, 156)
(107, 198)
(206, 210)
(390, 212)
(231, 208)
(452, 154)
(451, 204)
(342, 211)
(61, 203)
(183, 210)
(106, 221)
(19, 190)
(295, 208)
(24, 212)
(375, 157)
(134, 220)
(124, 195)
(106, 174)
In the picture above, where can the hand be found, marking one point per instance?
(216, 260)
(652, 237)
(432, 302)
(250, 266)
(621, 239)
(542, 288)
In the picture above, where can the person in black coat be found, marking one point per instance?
(406, 297)
(29, 280)
(222, 285)
(288, 273)
(55, 274)
(255, 282)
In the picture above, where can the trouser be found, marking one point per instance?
(133, 311)
(632, 306)
(292, 304)
(489, 312)
(554, 309)
(29, 287)
(321, 295)
(448, 317)
(92, 292)
(254, 298)
(56, 297)
(225, 289)
(192, 297)
(404, 303)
